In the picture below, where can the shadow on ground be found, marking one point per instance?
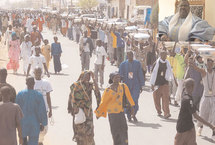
(142, 124)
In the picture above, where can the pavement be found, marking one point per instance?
(151, 129)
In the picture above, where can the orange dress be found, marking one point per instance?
(46, 52)
(40, 22)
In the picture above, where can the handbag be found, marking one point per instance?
(80, 117)
(125, 102)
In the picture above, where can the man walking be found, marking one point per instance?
(86, 49)
(3, 77)
(132, 75)
(161, 76)
(11, 115)
(100, 62)
(45, 88)
(35, 117)
(26, 52)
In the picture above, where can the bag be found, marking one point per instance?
(80, 117)
(125, 102)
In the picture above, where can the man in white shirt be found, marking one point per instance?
(45, 88)
(37, 60)
(86, 48)
(26, 52)
(100, 62)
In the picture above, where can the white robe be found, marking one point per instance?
(29, 25)
(25, 54)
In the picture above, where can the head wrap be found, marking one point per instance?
(112, 75)
(13, 34)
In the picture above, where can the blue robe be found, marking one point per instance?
(200, 29)
(56, 52)
(34, 110)
(135, 84)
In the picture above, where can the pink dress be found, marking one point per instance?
(14, 53)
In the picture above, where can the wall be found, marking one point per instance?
(166, 8)
(115, 4)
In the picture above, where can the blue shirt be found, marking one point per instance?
(120, 42)
(33, 107)
(56, 49)
(101, 35)
(134, 81)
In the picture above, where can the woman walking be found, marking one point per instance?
(81, 99)
(14, 53)
(113, 100)
(46, 52)
(56, 54)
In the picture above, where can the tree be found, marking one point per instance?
(88, 4)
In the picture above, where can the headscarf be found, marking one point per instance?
(13, 34)
(111, 76)
(83, 74)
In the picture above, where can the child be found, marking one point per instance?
(185, 127)
(100, 62)
(46, 52)
(37, 60)
(56, 53)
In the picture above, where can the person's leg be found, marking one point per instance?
(179, 90)
(101, 75)
(180, 139)
(115, 128)
(124, 129)
(55, 63)
(58, 64)
(165, 100)
(33, 140)
(157, 96)
(87, 61)
(191, 137)
(25, 65)
(42, 134)
(72, 37)
(115, 54)
(119, 55)
(96, 70)
(135, 96)
(25, 141)
(83, 61)
(204, 110)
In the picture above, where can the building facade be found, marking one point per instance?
(124, 8)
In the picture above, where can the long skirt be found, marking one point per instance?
(57, 63)
(13, 64)
(84, 133)
(119, 128)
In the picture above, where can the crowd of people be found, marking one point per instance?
(179, 75)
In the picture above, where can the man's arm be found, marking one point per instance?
(29, 68)
(46, 69)
(200, 70)
(49, 104)
(96, 90)
(19, 116)
(203, 121)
